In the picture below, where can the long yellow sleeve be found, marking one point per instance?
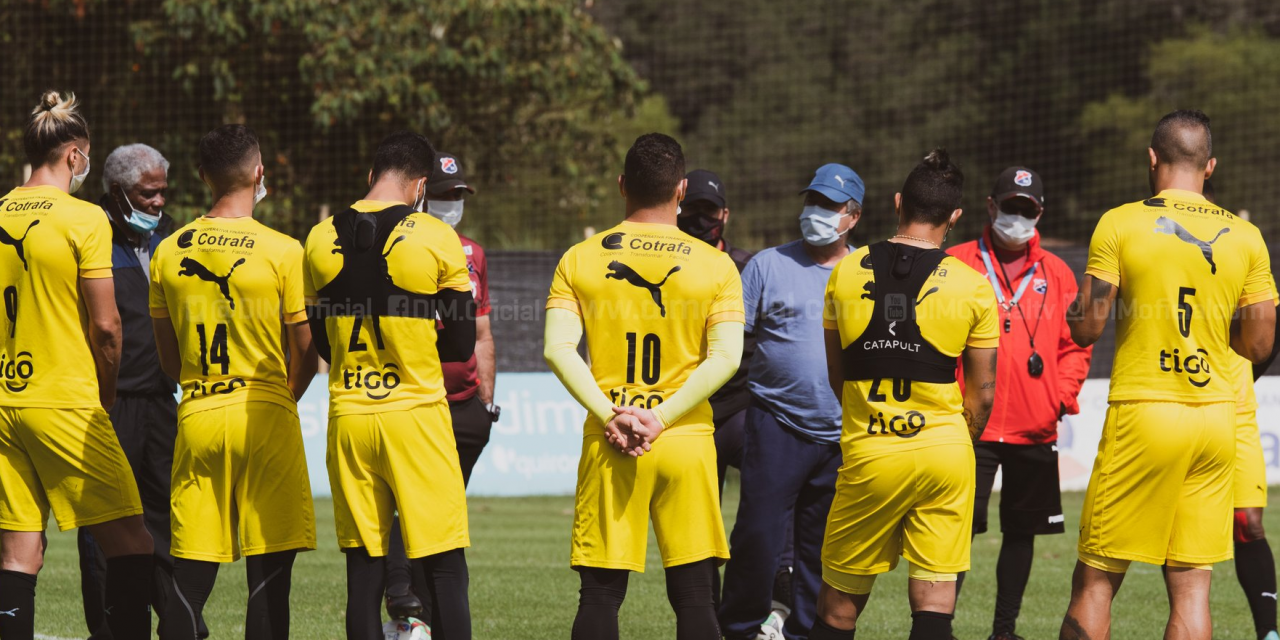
(724, 353)
(561, 336)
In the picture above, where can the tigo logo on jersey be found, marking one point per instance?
(17, 372)
(1022, 178)
(377, 385)
(1194, 366)
(449, 165)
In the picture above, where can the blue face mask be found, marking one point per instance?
(139, 221)
(820, 226)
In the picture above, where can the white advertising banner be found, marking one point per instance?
(535, 446)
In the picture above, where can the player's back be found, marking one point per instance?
(377, 306)
(954, 308)
(229, 285)
(1183, 266)
(50, 240)
(646, 294)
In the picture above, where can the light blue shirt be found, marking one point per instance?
(782, 292)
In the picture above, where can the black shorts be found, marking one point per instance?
(1030, 496)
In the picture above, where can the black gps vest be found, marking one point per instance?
(891, 346)
(363, 287)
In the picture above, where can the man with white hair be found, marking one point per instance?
(145, 418)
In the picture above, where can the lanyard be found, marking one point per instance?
(995, 280)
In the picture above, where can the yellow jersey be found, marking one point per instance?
(229, 285)
(1183, 266)
(955, 309)
(51, 240)
(385, 362)
(647, 294)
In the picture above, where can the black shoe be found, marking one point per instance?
(1005, 635)
(401, 603)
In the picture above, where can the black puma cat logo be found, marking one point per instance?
(16, 243)
(869, 290)
(392, 245)
(1171, 227)
(619, 271)
(192, 268)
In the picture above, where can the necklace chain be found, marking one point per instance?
(907, 237)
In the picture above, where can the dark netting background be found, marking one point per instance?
(541, 98)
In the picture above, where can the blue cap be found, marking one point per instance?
(838, 183)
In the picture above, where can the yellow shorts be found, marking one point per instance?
(240, 484)
(65, 459)
(675, 484)
(380, 460)
(1161, 488)
(915, 504)
(1251, 468)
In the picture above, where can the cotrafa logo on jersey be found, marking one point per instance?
(25, 205)
(645, 244)
(191, 237)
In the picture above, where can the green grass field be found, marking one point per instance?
(522, 588)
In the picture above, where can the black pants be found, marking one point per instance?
(471, 430)
(147, 426)
(729, 436)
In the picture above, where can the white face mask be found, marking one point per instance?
(261, 191)
(1013, 229)
(448, 211)
(420, 203)
(820, 226)
(78, 180)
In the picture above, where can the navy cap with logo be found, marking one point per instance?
(447, 175)
(705, 185)
(837, 183)
(1017, 182)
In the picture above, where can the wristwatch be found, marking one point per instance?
(494, 411)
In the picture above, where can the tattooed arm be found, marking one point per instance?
(1088, 315)
(979, 388)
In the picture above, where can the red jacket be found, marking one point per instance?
(1027, 409)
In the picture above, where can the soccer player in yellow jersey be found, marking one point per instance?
(379, 277)
(662, 314)
(230, 324)
(1161, 491)
(1255, 564)
(898, 314)
(61, 352)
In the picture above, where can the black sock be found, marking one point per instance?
(448, 581)
(690, 593)
(398, 570)
(1256, 570)
(930, 625)
(1013, 569)
(192, 583)
(17, 604)
(270, 578)
(128, 596)
(599, 599)
(824, 631)
(366, 582)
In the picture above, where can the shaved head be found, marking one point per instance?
(1182, 138)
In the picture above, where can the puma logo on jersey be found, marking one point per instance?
(619, 271)
(1171, 227)
(393, 245)
(192, 268)
(928, 293)
(869, 290)
(16, 243)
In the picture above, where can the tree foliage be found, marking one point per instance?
(524, 91)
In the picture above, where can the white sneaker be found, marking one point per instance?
(772, 627)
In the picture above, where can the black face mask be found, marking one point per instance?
(705, 227)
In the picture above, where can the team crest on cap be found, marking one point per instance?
(1040, 285)
(448, 165)
(1022, 178)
